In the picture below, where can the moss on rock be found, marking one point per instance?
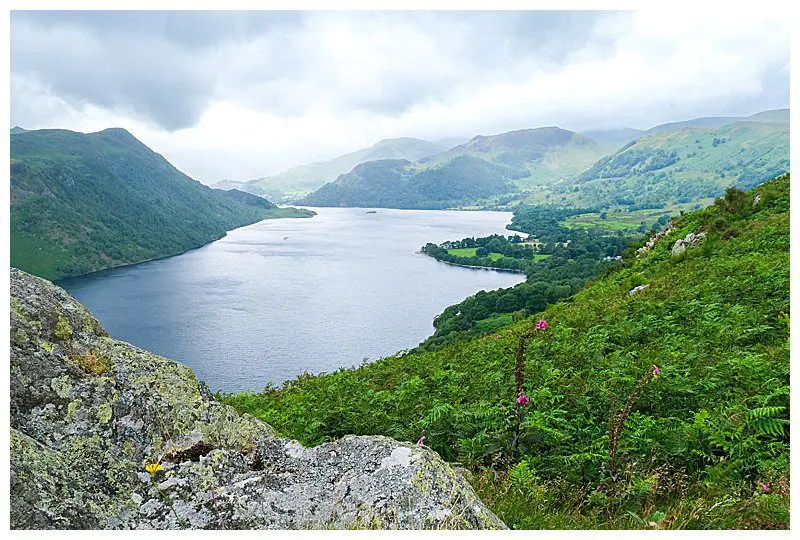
(63, 330)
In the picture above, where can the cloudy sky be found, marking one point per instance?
(237, 95)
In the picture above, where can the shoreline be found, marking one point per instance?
(59, 282)
(508, 270)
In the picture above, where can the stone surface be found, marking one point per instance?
(88, 413)
(691, 240)
(651, 243)
(678, 247)
(638, 288)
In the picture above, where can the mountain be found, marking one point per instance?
(392, 183)
(542, 155)
(626, 134)
(696, 344)
(681, 165)
(780, 116)
(85, 202)
(16, 129)
(306, 178)
(467, 174)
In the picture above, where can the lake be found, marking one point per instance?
(283, 296)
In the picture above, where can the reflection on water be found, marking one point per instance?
(281, 297)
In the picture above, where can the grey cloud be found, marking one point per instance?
(167, 67)
(475, 47)
(189, 29)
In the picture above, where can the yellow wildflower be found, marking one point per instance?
(153, 468)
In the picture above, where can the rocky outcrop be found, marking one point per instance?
(89, 414)
(650, 244)
(691, 240)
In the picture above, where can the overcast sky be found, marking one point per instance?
(243, 95)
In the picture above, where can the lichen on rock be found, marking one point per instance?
(88, 413)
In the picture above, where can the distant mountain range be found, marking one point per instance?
(306, 178)
(85, 202)
(618, 135)
(479, 169)
(674, 162)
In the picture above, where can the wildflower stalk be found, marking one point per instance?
(519, 379)
(520, 406)
(617, 422)
(519, 372)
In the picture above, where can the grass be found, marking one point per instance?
(630, 221)
(470, 252)
(544, 506)
(493, 323)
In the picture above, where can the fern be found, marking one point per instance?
(764, 421)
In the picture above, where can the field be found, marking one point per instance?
(470, 252)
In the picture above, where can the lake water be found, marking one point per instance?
(280, 297)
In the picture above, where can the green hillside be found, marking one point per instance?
(401, 184)
(542, 155)
(680, 166)
(704, 444)
(780, 116)
(85, 202)
(473, 173)
(307, 178)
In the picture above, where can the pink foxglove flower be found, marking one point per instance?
(421, 441)
(764, 487)
(522, 400)
(656, 372)
(541, 325)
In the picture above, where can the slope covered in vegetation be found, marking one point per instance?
(544, 154)
(704, 443)
(84, 202)
(563, 261)
(682, 165)
(393, 183)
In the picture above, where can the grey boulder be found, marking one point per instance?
(89, 413)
